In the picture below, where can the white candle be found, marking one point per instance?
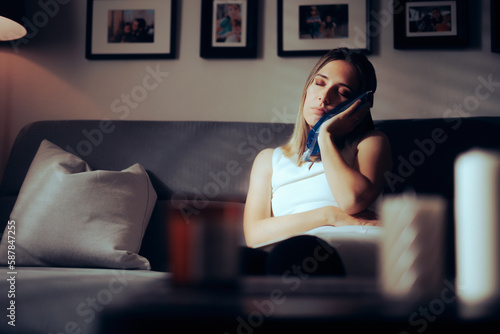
(477, 219)
(412, 246)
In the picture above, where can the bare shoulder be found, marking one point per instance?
(265, 154)
(374, 138)
(379, 135)
(259, 191)
(263, 161)
(374, 149)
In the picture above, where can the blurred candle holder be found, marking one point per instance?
(412, 246)
(203, 245)
(477, 231)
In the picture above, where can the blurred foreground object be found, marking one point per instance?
(477, 237)
(204, 244)
(412, 249)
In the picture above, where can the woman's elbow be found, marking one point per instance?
(251, 236)
(250, 241)
(354, 204)
(351, 209)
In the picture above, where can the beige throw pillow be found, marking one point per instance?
(68, 215)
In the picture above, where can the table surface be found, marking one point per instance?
(274, 305)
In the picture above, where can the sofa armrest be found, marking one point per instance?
(6, 206)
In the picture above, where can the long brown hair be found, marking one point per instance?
(296, 145)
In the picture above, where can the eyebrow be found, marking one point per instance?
(326, 78)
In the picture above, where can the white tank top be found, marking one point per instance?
(297, 189)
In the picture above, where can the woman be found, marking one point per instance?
(288, 196)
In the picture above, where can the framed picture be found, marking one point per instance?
(228, 29)
(495, 26)
(430, 24)
(131, 29)
(312, 28)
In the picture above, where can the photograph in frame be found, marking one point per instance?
(131, 26)
(431, 24)
(323, 21)
(131, 29)
(228, 29)
(431, 19)
(308, 28)
(230, 24)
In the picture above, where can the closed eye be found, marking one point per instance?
(343, 89)
(319, 82)
(345, 94)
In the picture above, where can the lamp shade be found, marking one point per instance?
(10, 30)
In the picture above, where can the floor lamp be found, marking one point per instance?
(9, 30)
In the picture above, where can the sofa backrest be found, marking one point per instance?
(182, 158)
(212, 160)
(424, 150)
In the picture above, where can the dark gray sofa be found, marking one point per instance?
(181, 158)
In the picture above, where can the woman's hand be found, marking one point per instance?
(344, 123)
(368, 218)
(364, 218)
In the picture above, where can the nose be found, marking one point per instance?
(327, 98)
(323, 98)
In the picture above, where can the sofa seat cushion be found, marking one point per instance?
(72, 300)
(68, 215)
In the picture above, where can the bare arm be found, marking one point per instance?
(356, 187)
(259, 223)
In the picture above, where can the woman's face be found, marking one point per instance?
(335, 83)
(233, 11)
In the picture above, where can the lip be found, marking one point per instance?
(319, 110)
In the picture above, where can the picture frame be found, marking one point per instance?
(131, 29)
(495, 26)
(430, 24)
(312, 29)
(228, 29)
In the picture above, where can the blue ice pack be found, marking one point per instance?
(312, 138)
